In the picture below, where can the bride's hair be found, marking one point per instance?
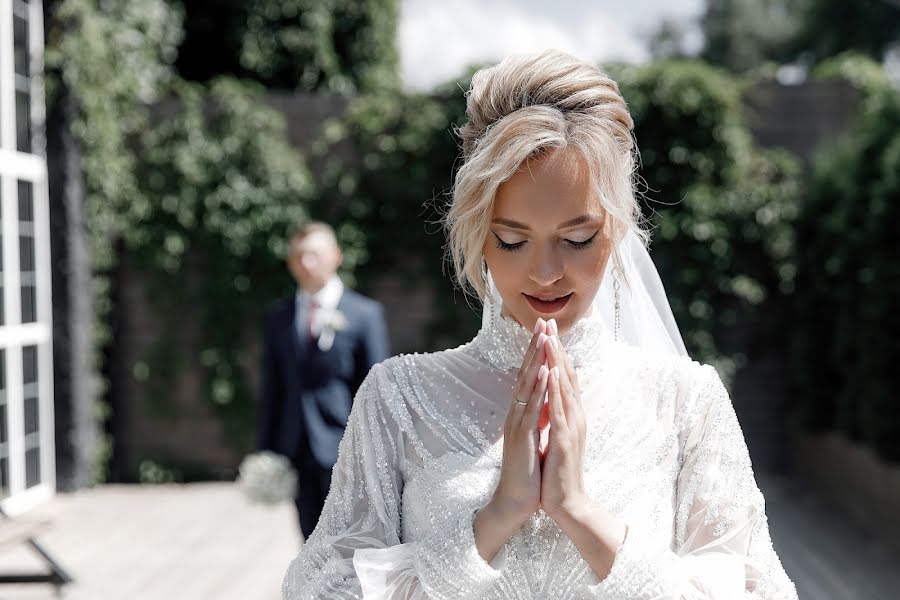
(519, 109)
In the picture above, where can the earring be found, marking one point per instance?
(617, 317)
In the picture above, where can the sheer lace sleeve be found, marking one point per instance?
(355, 550)
(722, 546)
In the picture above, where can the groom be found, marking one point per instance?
(318, 345)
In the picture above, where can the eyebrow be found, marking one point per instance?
(569, 223)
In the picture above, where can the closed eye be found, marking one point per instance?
(577, 245)
(584, 243)
(501, 245)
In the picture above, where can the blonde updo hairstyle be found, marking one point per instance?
(520, 109)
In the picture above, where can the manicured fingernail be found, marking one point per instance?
(553, 326)
(538, 324)
(555, 373)
(543, 372)
(541, 339)
(553, 342)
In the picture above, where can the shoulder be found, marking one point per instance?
(687, 373)
(381, 400)
(683, 387)
(409, 368)
(362, 303)
(383, 383)
(399, 381)
(700, 392)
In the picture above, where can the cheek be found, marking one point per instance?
(588, 264)
(506, 269)
(589, 267)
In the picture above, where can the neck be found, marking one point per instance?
(314, 289)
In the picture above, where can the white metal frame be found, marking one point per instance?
(14, 336)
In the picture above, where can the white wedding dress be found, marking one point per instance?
(423, 450)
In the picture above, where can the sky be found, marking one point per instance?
(439, 38)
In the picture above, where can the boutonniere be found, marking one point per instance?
(327, 322)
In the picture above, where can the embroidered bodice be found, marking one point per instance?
(422, 452)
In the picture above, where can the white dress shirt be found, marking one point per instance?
(326, 299)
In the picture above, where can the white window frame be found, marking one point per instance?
(14, 336)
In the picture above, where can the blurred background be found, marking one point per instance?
(154, 155)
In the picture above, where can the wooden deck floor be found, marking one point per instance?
(203, 541)
(163, 543)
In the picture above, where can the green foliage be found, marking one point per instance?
(722, 212)
(114, 56)
(861, 71)
(743, 34)
(219, 189)
(847, 330)
(109, 58)
(212, 188)
(830, 27)
(322, 45)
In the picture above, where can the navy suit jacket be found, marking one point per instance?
(307, 393)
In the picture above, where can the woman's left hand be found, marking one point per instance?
(562, 469)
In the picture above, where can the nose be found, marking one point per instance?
(546, 267)
(308, 261)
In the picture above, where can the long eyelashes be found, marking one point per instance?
(501, 245)
(585, 244)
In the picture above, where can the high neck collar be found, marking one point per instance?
(502, 341)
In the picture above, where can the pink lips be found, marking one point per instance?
(548, 307)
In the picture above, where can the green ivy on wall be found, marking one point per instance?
(210, 187)
(111, 60)
(343, 46)
(222, 187)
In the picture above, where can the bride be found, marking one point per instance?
(571, 449)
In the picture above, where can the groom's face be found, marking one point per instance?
(548, 242)
(313, 259)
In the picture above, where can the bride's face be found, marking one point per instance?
(548, 242)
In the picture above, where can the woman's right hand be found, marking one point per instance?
(518, 494)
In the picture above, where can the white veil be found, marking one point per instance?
(645, 317)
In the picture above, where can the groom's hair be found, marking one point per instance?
(304, 228)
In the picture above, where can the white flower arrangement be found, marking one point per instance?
(326, 322)
(267, 478)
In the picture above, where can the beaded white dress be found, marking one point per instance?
(422, 453)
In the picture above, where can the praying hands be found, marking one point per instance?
(546, 395)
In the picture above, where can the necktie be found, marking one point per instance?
(310, 319)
